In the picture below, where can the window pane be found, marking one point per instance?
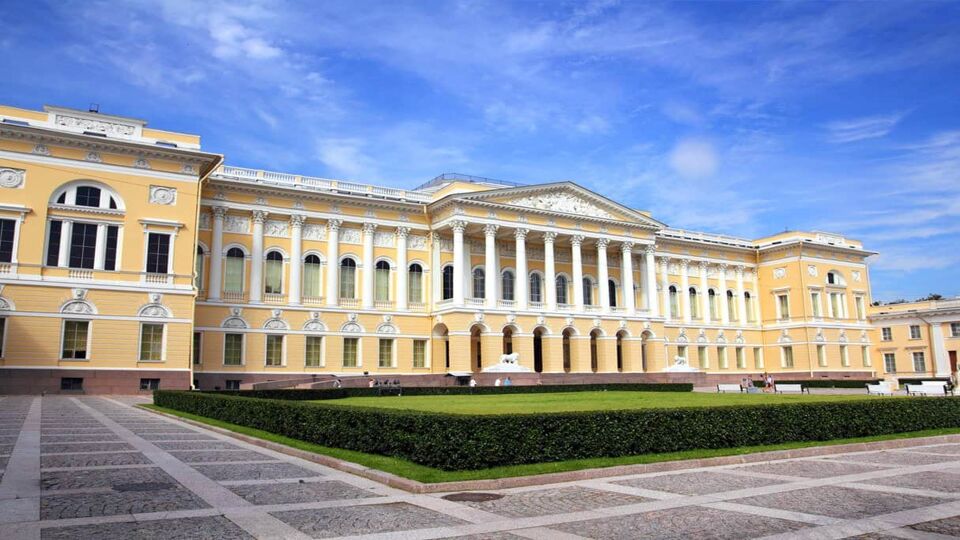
(415, 284)
(311, 278)
(110, 253)
(274, 277)
(314, 348)
(83, 245)
(479, 283)
(587, 292)
(151, 342)
(274, 356)
(561, 290)
(447, 283)
(53, 243)
(233, 349)
(386, 353)
(382, 284)
(75, 339)
(350, 352)
(158, 253)
(88, 196)
(535, 293)
(348, 279)
(507, 285)
(197, 342)
(7, 229)
(234, 275)
(419, 353)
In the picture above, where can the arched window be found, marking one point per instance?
(415, 283)
(273, 278)
(731, 306)
(562, 289)
(88, 194)
(567, 360)
(536, 288)
(674, 301)
(382, 282)
(479, 283)
(835, 278)
(587, 292)
(507, 283)
(714, 307)
(748, 305)
(612, 292)
(311, 276)
(348, 278)
(694, 307)
(233, 281)
(447, 285)
(198, 269)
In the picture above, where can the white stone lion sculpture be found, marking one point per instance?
(512, 358)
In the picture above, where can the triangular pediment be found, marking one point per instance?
(562, 198)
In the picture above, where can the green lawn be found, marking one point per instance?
(576, 401)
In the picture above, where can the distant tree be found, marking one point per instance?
(931, 296)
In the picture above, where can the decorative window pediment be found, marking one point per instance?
(276, 322)
(235, 320)
(314, 324)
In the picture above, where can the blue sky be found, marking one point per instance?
(737, 118)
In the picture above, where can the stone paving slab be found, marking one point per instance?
(937, 449)
(191, 436)
(949, 526)
(92, 460)
(93, 437)
(197, 445)
(101, 478)
(203, 528)
(554, 501)
(286, 493)
(126, 502)
(220, 455)
(367, 519)
(254, 471)
(947, 482)
(898, 458)
(61, 448)
(840, 502)
(809, 468)
(681, 523)
(698, 483)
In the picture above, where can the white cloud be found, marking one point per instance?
(345, 158)
(682, 113)
(858, 129)
(694, 158)
(593, 124)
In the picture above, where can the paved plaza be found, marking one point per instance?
(97, 467)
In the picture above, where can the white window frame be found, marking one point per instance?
(17, 222)
(758, 357)
(682, 351)
(741, 358)
(816, 301)
(244, 275)
(323, 351)
(283, 349)
(163, 344)
(391, 271)
(886, 333)
(703, 356)
(359, 358)
(357, 278)
(923, 359)
(822, 355)
(781, 316)
(193, 359)
(865, 356)
(426, 353)
(783, 357)
(722, 361)
(243, 349)
(887, 361)
(320, 276)
(917, 328)
(63, 329)
(860, 304)
(844, 356)
(393, 353)
(146, 245)
(955, 329)
(283, 270)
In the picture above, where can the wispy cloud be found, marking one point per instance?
(858, 129)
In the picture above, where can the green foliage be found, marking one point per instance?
(338, 393)
(465, 442)
(825, 383)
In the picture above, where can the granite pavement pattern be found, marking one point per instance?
(98, 467)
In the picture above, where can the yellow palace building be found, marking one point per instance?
(131, 259)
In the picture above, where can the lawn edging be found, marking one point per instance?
(902, 440)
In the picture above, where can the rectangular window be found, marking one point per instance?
(741, 359)
(865, 357)
(860, 306)
(914, 331)
(83, 245)
(314, 351)
(71, 383)
(3, 335)
(783, 302)
(233, 349)
(955, 329)
(702, 356)
(110, 251)
(822, 355)
(722, 357)
(886, 333)
(158, 253)
(787, 356)
(757, 358)
(8, 229)
(919, 362)
(815, 302)
(844, 356)
(419, 353)
(149, 384)
(836, 306)
(233, 273)
(197, 348)
(889, 362)
(232, 384)
(151, 342)
(53, 243)
(350, 346)
(274, 355)
(386, 353)
(75, 335)
(682, 351)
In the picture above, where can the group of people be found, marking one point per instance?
(498, 382)
(767, 384)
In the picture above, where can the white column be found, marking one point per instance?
(741, 301)
(704, 297)
(256, 263)
(724, 305)
(333, 262)
(602, 275)
(756, 298)
(665, 287)
(366, 288)
(523, 280)
(436, 275)
(402, 268)
(66, 236)
(685, 288)
(458, 258)
(941, 362)
(215, 284)
(577, 263)
(490, 265)
(100, 249)
(626, 269)
(296, 257)
(651, 283)
(549, 270)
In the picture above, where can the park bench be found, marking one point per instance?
(924, 389)
(879, 389)
(722, 388)
(798, 388)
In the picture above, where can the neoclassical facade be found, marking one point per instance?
(132, 258)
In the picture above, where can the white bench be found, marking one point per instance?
(798, 388)
(926, 390)
(721, 388)
(879, 389)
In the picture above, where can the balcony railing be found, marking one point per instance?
(312, 300)
(318, 184)
(274, 298)
(592, 308)
(565, 307)
(74, 273)
(536, 305)
(231, 296)
(6, 268)
(507, 303)
(350, 302)
(383, 304)
(417, 306)
(475, 301)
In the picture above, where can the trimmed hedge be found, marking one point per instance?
(338, 393)
(464, 442)
(826, 383)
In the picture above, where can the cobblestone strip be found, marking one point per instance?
(883, 522)
(235, 508)
(20, 486)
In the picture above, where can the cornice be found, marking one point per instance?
(293, 193)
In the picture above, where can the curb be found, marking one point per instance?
(414, 486)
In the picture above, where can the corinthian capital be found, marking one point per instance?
(549, 237)
(521, 234)
(403, 232)
(369, 228)
(458, 226)
(602, 243)
(626, 247)
(333, 225)
(219, 212)
(297, 220)
(259, 216)
(490, 229)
